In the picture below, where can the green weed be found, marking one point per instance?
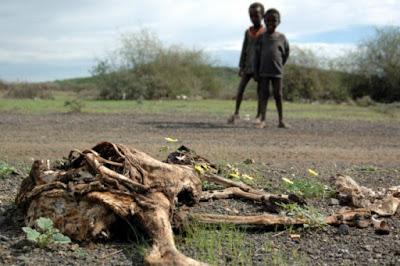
(308, 188)
(5, 170)
(240, 172)
(46, 235)
(365, 168)
(229, 245)
(80, 253)
(75, 105)
(314, 218)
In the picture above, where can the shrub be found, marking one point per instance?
(75, 105)
(144, 69)
(30, 91)
(308, 77)
(365, 101)
(376, 64)
(3, 86)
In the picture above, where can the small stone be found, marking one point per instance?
(333, 202)
(343, 229)
(367, 248)
(74, 247)
(344, 251)
(295, 237)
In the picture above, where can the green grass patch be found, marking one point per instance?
(210, 107)
(230, 245)
(219, 244)
(5, 170)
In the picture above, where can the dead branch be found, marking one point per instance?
(263, 220)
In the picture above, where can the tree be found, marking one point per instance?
(376, 64)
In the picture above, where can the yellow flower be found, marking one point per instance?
(312, 172)
(248, 177)
(199, 169)
(171, 140)
(287, 180)
(234, 175)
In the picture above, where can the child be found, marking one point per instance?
(256, 12)
(272, 52)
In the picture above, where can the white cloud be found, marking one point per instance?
(48, 30)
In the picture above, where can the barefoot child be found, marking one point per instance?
(256, 12)
(272, 52)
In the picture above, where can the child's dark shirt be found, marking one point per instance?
(271, 54)
(246, 63)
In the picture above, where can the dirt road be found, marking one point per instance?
(51, 136)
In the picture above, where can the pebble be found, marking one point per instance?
(367, 248)
(333, 202)
(74, 247)
(343, 229)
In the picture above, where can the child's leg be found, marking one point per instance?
(258, 116)
(264, 95)
(239, 97)
(278, 95)
(242, 86)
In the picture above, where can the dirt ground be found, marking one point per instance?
(327, 146)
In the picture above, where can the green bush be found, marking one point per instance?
(308, 77)
(365, 101)
(142, 68)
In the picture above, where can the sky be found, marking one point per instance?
(45, 40)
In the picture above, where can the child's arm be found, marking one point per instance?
(243, 55)
(286, 51)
